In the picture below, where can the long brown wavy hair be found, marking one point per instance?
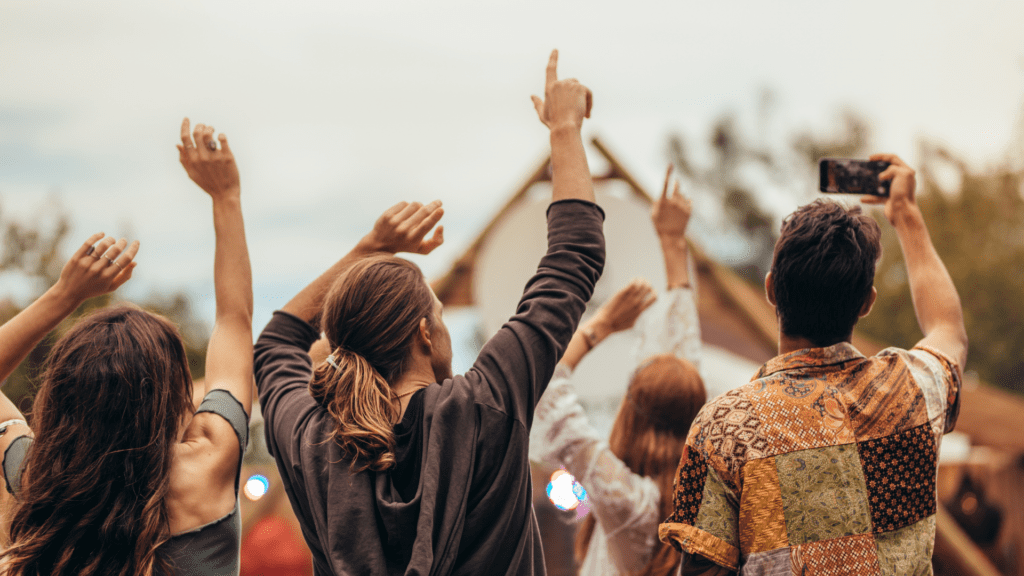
(106, 418)
(370, 317)
(648, 435)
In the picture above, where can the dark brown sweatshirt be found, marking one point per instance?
(459, 500)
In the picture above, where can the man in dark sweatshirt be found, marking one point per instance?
(392, 465)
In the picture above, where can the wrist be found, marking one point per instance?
(62, 298)
(905, 213)
(596, 330)
(370, 245)
(565, 128)
(673, 241)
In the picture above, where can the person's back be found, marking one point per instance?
(826, 461)
(126, 475)
(393, 465)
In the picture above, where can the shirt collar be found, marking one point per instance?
(835, 354)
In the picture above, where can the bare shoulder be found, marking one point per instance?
(203, 474)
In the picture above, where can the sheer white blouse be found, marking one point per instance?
(625, 504)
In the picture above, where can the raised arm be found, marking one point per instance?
(402, 228)
(670, 215)
(282, 353)
(618, 314)
(99, 266)
(672, 326)
(229, 354)
(936, 301)
(566, 103)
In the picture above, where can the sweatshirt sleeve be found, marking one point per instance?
(283, 370)
(518, 361)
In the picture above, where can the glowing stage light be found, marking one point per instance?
(256, 486)
(564, 491)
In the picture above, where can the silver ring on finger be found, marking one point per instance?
(114, 262)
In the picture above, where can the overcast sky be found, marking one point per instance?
(336, 110)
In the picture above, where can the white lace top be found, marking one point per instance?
(626, 504)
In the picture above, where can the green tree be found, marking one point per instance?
(978, 230)
(32, 254)
(745, 160)
(977, 225)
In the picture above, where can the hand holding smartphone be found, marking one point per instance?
(850, 176)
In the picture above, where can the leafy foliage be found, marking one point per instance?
(978, 230)
(976, 224)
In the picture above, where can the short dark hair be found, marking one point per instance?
(823, 270)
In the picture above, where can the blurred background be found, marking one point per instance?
(336, 111)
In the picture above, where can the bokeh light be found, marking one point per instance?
(256, 486)
(564, 491)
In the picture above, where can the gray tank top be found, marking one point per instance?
(209, 550)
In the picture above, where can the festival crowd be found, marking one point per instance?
(824, 462)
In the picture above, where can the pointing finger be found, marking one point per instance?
(186, 137)
(552, 70)
(668, 177)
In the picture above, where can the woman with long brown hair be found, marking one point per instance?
(120, 472)
(629, 477)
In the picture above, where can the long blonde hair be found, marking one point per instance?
(370, 316)
(648, 435)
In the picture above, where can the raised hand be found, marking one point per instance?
(404, 227)
(213, 169)
(566, 102)
(670, 213)
(622, 310)
(901, 190)
(99, 266)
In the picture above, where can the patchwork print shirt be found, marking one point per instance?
(825, 463)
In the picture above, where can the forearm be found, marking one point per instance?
(585, 339)
(675, 252)
(307, 303)
(232, 273)
(570, 177)
(935, 298)
(23, 332)
(229, 353)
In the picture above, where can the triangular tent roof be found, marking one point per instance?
(735, 315)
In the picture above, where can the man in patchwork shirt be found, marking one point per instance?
(825, 463)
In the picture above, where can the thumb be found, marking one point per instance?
(427, 246)
(538, 104)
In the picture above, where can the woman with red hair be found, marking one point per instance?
(629, 477)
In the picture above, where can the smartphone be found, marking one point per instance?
(848, 176)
